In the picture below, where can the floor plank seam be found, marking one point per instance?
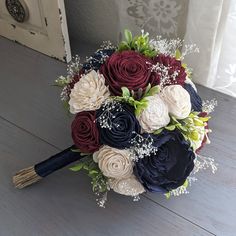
(30, 133)
(179, 215)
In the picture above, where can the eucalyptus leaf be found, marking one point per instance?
(77, 167)
(128, 35)
(154, 90)
(132, 93)
(167, 195)
(204, 118)
(183, 128)
(184, 65)
(177, 54)
(170, 127)
(147, 88)
(75, 150)
(158, 131)
(125, 92)
(194, 135)
(174, 119)
(138, 111)
(186, 183)
(198, 122)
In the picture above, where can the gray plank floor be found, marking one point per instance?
(33, 125)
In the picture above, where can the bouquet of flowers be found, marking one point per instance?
(139, 122)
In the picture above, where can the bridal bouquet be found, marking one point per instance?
(139, 122)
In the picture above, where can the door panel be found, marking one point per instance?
(44, 27)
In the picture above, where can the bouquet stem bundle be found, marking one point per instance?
(33, 174)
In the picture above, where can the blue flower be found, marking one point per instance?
(196, 101)
(97, 59)
(123, 125)
(169, 167)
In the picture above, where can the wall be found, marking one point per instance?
(93, 21)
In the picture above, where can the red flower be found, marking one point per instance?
(84, 132)
(127, 69)
(174, 66)
(75, 79)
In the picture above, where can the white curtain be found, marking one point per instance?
(211, 24)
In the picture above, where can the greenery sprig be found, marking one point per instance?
(138, 43)
(189, 126)
(180, 190)
(99, 181)
(62, 81)
(142, 103)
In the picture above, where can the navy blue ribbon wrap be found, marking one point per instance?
(57, 161)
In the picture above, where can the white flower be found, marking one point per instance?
(155, 116)
(88, 93)
(128, 186)
(114, 163)
(178, 101)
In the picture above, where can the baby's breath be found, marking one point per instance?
(141, 147)
(105, 119)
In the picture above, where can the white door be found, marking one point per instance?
(38, 24)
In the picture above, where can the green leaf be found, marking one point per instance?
(170, 127)
(75, 150)
(147, 88)
(138, 111)
(198, 122)
(184, 65)
(186, 183)
(77, 167)
(177, 54)
(66, 105)
(174, 119)
(138, 43)
(167, 195)
(85, 166)
(123, 46)
(125, 92)
(194, 135)
(183, 128)
(158, 131)
(62, 81)
(128, 35)
(204, 119)
(93, 172)
(154, 90)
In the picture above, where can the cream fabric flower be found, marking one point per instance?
(128, 186)
(155, 116)
(88, 93)
(114, 163)
(178, 101)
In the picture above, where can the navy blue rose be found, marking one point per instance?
(196, 100)
(97, 59)
(169, 167)
(122, 125)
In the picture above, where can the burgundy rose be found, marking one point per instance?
(70, 86)
(127, 69)
(75, 79)
(84, 132)
(174, 67)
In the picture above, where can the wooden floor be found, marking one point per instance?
(33, 125)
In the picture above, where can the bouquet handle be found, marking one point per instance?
(33, 174)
